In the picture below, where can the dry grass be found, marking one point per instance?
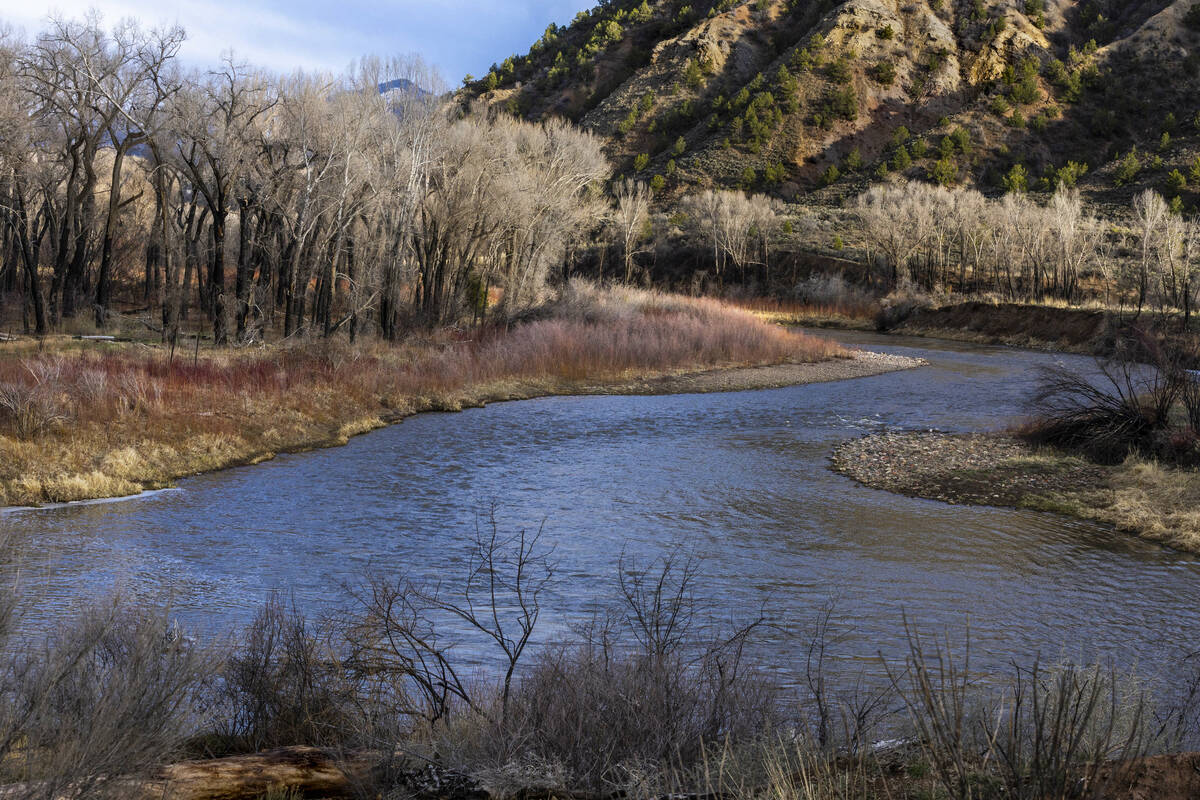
(85, 423)
(828, 314)
(1159, 503)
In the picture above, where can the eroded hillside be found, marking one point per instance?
(796, 97)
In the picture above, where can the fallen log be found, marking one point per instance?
(308, 771)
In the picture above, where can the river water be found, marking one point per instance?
(739, 480)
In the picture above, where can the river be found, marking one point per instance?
(739, 480)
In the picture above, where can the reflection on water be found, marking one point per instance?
(741, 480)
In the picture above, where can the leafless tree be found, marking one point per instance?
(1150, 214)
(629, 219)
(737, 226)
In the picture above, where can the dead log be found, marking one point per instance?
(309, 771)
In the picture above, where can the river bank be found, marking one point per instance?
(77, 423)
(146, 464)
(1078, 330)
(1156, 503)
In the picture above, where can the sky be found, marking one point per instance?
(456, 36)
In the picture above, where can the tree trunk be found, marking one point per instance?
(216, 279)
(244, 269)
(110, 223)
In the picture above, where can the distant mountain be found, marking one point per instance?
(798, 97)
(402, 85)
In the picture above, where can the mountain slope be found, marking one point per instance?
(771, 94)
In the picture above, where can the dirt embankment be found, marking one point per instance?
(1155, 503)
(1040, 327)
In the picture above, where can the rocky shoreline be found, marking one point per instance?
(1156, 503)
(976, 469)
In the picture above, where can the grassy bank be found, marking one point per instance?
(82, 420)
(1142, 497)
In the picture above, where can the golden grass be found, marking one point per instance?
(121, 419)
(835, 314)
(1158, 503)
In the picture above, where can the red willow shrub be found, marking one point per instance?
(586, 335)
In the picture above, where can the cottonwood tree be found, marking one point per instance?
(24, 158)
(629, 218)
(135, 79)
(933, 236)
(216, 118)
(895, 220)
(74, 124)
(738, 226)
(503, 198)
(1150, 213)
(549, 198)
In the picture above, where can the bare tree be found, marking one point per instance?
(216, 138)
(1150, 214)
(737, 226)
(629, 220)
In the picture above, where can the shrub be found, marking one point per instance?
(1049, 731)
(281, 688)
(884, 73)
(29, 410)
(1069, 174)
(1025, 92)
(112, 692)
(1128, 169)
(961, 138)
(853, 161)
(1016, 181)
(653, 685)
(839, 71)
(641, 161)
(1176, 182)
(1108, 418)
(944, 172)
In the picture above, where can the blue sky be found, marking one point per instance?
(457, 36)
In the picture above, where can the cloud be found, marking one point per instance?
(457, 36)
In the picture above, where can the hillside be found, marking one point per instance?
(801, 96)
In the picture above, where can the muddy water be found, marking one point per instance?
(740, 480)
